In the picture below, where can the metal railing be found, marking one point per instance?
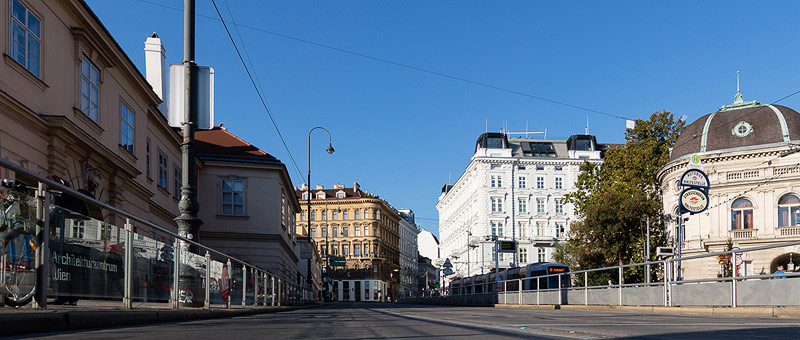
(667, 290)
(84, 266)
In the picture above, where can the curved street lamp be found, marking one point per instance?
(308, 180)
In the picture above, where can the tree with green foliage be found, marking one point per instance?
(614, 199)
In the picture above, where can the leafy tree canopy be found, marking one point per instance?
(614, 198)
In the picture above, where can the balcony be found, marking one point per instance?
(789, 231)
(740, 234)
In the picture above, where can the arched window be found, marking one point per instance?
(741, 214)
(788, 211)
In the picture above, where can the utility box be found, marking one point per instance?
(205, 94)
(665, 251)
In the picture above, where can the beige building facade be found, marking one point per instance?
(749, 152)
(74, 107)
(363, 229)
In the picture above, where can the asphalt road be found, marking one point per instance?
(390, 321)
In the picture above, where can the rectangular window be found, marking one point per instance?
(334, 232)
(344, 232)
(233, 197)
(366, 249)
(302, 215)
(559, 206)
(126, 127)
(339, 195)
(77, 229)
(90, 89)
(344, 215)
(323, 249)
(521, 167)
(497, 204)
(494, 166)
(559, 183)
(558, 168)
(26, 37)
(163, 176)
(357, 230)
(560, 229)
(521, 182)
(313, 215)
(542, 255)
(540, 182)
(346, 249)
(540, 205)
(523, 230)
(522, 205)
(497, 181)
(313, 232)
(539, 168)
(335, 250)
(147, 159)
(356, 212)
(497, 228)
(523, 255)
(366, 230)
(284, 220)
(366, 214)
(177, 178)
(540, 228)
(324, 232)
(334, 215)
(357, 249)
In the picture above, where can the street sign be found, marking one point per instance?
(737, 260)
(693, 200)
(336, 261)
(447, 264)
(447, 271)
(694, 163)
(508, 246)
(695, 178)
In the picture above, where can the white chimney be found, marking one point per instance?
(154, 57)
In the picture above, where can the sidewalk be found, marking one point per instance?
(782, 312)
(104, 314)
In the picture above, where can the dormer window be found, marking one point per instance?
(340, 194)
(321, 195)
(305, 195)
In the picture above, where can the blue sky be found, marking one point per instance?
(401, 132)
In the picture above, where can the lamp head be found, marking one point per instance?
(330, 149)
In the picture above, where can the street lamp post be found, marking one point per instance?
(308, 195)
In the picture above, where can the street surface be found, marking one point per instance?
(392, 321)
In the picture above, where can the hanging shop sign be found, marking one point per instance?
(693, 200)
(694, 178)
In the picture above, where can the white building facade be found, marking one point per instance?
(513, 188)
(408, 253)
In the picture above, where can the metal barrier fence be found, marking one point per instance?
(51, 251)
(574, 288)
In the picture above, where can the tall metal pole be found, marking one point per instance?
(647, 252)
(188, 221)
(496, 263)
(680, 244)
(308, 197)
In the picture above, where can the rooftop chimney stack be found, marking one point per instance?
(154, 58)
(320, 187)
(355, 186)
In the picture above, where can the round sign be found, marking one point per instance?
(694, 200)
(737, 260)
(694, 178)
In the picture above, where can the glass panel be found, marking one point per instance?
(251, 287)
(238, 186)
(789, 199)
(152, 266)
(238, 210)
(742, 203)
(33, 55)
(238, 198)
(220, 283)
(95, 75)
(18, 10)
(18, 45)
(236, 287)
(18, 250)
(87, 257)
(33, 24)
(192, 279)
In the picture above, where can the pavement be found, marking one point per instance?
(398, 321)
(88, 314)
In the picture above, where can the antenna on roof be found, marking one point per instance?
(587, 125)
(526, 128)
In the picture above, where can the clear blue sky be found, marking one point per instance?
(399, 132)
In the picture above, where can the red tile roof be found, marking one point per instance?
(220, 142)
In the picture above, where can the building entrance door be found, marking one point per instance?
(358, 291)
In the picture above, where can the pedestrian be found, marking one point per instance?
(779, 271)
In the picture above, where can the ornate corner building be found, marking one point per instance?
(361, 228)
(749, 151)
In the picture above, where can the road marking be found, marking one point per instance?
(506, 328)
